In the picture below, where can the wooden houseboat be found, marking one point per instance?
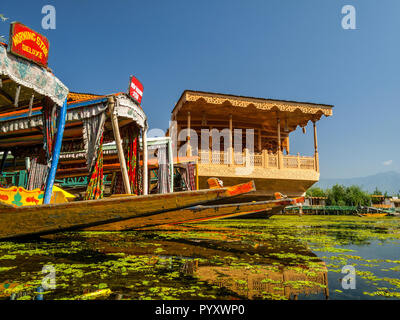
(200, 119)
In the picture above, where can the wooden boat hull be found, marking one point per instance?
(376, 215)
(198, 214)
(44, 219)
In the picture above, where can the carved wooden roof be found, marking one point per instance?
(216, 104)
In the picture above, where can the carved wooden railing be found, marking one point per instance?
(261, 159)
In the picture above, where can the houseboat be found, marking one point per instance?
(255, 140)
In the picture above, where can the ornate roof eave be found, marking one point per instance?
(258, 103)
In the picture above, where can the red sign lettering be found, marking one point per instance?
(28, 44)
(135, 89)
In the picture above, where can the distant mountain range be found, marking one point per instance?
(386, 181)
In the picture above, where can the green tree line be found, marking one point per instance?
(340, 195)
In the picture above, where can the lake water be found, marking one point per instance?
(284, 257)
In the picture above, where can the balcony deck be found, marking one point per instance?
(288, 174)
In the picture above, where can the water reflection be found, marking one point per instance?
(219, 260)
(265, 282)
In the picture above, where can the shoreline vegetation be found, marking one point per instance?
(340, 195)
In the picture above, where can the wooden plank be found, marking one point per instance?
(195, 214)
(42, 219)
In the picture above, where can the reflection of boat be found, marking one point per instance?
(267, 281)
(236, 259)
(40, 219)
(200, 213)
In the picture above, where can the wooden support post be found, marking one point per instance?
(298, 160)
(56, 154)
(3, 161)
(27, 163)
(246, 162)
(171, 165)
(17, 96)
(287, 145)
(145, 170)
(316, 158)
(189, 147)
(118, 142)
(210, 145)
(259, 140)
(280, 160)
(31, 104)
(230, 151)
(197, 174)
(265, 158)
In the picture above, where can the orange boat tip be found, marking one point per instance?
(298, 200)
(241, 188)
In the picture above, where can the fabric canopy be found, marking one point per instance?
(127, 108)
(36, 120)
(32, 76)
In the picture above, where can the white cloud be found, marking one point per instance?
(387, 163)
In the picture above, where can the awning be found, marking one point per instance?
(125, 107)
(29, 76)
(76, 112)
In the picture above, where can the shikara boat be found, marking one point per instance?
(201, 213)
(51, 218)
(376, 215)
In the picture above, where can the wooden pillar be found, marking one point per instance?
(197, 174)
(246, 162)
(259, 140)
(298, 160)
(118, 142)
(27, 163)
(230, 151)
(287, 145)
(189, 147)
(265, 158)
(145, 171)
(171, 165)
(316, 147)
(210, 146)
(17, 93)
(3, 161)
(280, 160)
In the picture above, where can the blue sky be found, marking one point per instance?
(282, 49)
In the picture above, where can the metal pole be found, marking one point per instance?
(56, 154)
